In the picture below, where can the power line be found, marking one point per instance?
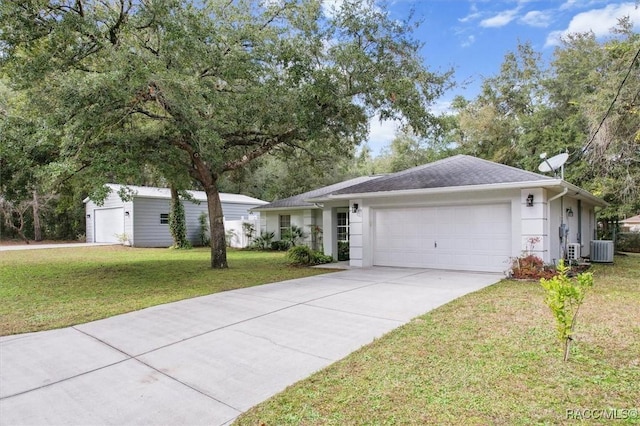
(615, 99)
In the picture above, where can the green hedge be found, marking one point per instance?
(628, 241)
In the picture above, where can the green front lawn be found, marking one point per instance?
(488, 358)
(51, 288)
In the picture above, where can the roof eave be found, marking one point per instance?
(280, 209)
(429, 191)
(551, 183)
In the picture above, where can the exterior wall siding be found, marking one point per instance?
(235, 211)
(149, 232)
(142, 226)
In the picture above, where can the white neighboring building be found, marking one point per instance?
(144, 220)
(631, 224)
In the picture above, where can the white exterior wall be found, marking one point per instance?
(112, 201)
(239, 239)
(534, 223)
(356, 227)
(541, 221)
(583, 234)
(329, 232)
(270, 221)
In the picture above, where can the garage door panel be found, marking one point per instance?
(454, 237)
(108, 225)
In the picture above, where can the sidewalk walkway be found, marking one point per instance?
(52, 246)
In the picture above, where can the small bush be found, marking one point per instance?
(203, 232)
(280, 245)
(343, 250)
(304, 256)
(293, 236)
(320, 258)
(564, 296)
(628, 241)
(263, 242)
(530, 267)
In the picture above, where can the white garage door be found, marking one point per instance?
(109, 223)
(470, 238)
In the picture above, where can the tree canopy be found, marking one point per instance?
(203, 88)
(584, 102)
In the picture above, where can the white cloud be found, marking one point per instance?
(536, 18)
(569, 4)
(468, 41)
(600, 21)
(499, 20)
(441, 107)
(381, 133)
(473, 15)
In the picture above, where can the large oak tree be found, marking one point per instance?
(210, 85)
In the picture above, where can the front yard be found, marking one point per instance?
(51, 288)
(491, 357)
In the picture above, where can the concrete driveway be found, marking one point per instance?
(208, 359)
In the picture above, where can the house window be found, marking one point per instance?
(164, 218)
(343, 226)
(285, 224)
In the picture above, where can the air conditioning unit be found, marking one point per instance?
(602, 251)
(573, 251)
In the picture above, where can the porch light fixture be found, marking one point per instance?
(569, 212)
(530, 200)
(354, 207)
(127, 214)
(88, 215)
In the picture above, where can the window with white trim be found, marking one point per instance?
(284, 224)
(343, 226)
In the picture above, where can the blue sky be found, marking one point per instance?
(473, 36)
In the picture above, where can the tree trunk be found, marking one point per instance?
(216, 225)
(567, 348)
(37, 228)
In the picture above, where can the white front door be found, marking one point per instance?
(108, 224)
(470, 238)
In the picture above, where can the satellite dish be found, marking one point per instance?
(554, 163)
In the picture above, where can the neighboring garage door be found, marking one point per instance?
(470, 238)
(109, 223)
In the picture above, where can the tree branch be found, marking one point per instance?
(264, 147)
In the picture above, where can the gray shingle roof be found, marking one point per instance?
(459, 170)
(299, 200)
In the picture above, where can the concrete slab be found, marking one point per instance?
(205, 360)
(389, 301)
(29, 361)
(142, 331)
(318, 331)
(128, 393)
(433, 278)
(233, 367)
(377, 273)
(305, 289)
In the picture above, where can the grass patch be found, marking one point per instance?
(491, 357)
(45, 289)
